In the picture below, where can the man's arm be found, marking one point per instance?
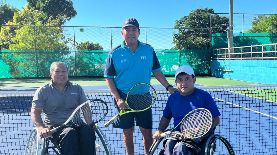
(37, 120)
(117, 97)
(161, 78)
(164, 122)
(216, 121)
(36, 117)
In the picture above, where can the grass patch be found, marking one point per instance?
(267, 94)
(211, 81)
(205, 81)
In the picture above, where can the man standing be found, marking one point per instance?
(130, 63)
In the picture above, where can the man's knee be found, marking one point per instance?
(69, 134)
(181, 149)
(87, 133)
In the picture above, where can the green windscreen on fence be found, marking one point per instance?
(91, 63)
(219, 40)
(4, 71)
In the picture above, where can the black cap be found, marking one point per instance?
(131, 22)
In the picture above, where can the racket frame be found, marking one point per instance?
(129, 110)
(169, 132)
(77, 110)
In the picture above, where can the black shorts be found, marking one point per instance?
(141, 119)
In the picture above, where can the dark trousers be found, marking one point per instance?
(75, 141)
(173, 147)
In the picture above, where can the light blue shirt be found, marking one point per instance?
(128, 68)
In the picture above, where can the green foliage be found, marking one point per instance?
(31, 43)
(89, 46)
(61, 9)
(264, 24)
(196, 28)
(6, 13)
(89, 59)
(89, 62)
(194, 37)
(199, 59)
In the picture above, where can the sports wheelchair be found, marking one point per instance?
(44, 146)
(215, 145)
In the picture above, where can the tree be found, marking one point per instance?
(32, 43)
(88, 59)
(89, 46)
(196, 28)
(55, 8)
(264, 24)
(6, 13)
(194, 37)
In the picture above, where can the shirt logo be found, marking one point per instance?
(192, 106)
(123, 60)
(143, 57)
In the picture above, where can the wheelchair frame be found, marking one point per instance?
(43, 146)
(208, 146)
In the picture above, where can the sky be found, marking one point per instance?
(153, 14)
(157, 13)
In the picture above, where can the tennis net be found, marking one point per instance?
(248, 119)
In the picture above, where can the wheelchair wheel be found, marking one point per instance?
(155, 148)
(35, 145)
(101, 144)
(218, 145)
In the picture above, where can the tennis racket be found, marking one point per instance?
(194, 125)
(218, 145)
(139, 98)
(89, 112)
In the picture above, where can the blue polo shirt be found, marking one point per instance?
(178, 106)
(128, 68)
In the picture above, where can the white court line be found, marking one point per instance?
(260, 113)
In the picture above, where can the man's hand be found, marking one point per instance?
(121, 104)
(172, 90)
(157, 134)
(44, 132)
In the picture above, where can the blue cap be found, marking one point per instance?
(131, 22)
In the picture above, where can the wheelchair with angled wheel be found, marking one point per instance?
(44, 146)
(214, 145)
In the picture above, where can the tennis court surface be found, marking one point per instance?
(248, 120)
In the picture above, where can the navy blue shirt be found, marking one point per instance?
(178, 106)
(128, 68)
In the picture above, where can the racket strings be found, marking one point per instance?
(76, 120)
(197, 124)
(93, 111)
(99, 110)
(141, 101)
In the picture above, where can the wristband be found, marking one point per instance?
(167, 87)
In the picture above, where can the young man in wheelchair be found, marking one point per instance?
(178, 105)
(57, 100)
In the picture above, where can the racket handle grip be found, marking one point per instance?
(165, 134)
(56, 129)
(111, 120)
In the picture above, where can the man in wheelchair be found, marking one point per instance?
(57, 100)
(178, 105)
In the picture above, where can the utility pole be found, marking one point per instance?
(230, 30)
